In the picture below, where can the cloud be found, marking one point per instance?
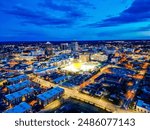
(71, 8)
(22, 12)
(69, 13)
(139, 32)
(29, 16)
(146, 28)
(62, 5)
(51, 4)
(114, 32)
(139, 11)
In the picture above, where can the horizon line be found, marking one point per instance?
(75, 40)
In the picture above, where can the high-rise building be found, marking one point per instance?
(48, 49)
(64, 46)
(74, 46)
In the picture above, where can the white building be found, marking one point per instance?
(64, 46)
(99, 57)
(74, 46)
(37, 52)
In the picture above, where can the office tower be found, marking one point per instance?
(48, 49)
(64, 46)
(74, 46)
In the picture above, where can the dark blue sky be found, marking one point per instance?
(74, 19)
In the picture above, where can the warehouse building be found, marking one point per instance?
(19, 96)
(17, 79)
(18, 86)
(61, 79)
(49, 96)
(21, 108)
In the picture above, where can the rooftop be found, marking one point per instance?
(142, 104)
(45, 69)
(15, 79)
(19, 86)
(59, 79)
(50, 94)
(59, 58)
(19, 94)
(21, 108)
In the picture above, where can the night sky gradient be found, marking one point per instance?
(31, 20)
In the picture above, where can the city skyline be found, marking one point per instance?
(74, 20)
(78, 78)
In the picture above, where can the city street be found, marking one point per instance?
(74, 93)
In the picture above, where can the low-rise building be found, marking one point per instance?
(21, 108)
(49, 96)
(99, 57)
(17, 79)
(18, 86)
(19, 96)
(45, 70)
(141, 106)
